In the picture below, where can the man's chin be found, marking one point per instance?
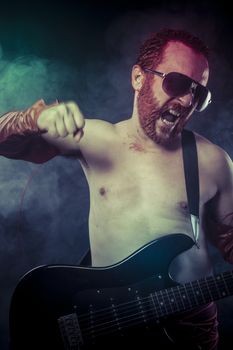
(162, 140)
(166, 139)
(162, 134)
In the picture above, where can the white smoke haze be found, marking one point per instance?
(53, 208)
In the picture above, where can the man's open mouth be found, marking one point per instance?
(170, 116)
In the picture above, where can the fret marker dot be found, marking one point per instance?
(161, 303)
(197, 292)
(184, 296)
(172, 300)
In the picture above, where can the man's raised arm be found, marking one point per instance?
(20, 136)
(43, 131)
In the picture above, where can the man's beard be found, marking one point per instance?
(150, 117)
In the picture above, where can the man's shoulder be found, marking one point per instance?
(213, 157)
(99, 129)
(100, 138)
(209, 149)
(100, 123)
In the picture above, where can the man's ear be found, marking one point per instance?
(137, 77)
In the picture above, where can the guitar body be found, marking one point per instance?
(68, 307)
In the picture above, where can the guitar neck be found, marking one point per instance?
(192, 294)
(157, 305)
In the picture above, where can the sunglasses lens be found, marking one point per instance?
(202, 97)
(176, 84)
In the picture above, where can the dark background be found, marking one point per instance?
(83, 51)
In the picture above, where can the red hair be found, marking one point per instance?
(151, 51)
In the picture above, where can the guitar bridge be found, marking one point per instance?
(70, 331)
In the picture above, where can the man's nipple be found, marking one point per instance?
(184, 207)
(102, 191)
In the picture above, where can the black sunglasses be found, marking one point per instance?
(176, 84)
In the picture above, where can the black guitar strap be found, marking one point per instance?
(190, 161)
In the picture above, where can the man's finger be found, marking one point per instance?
(78, 135)
(77, 114)
(60, 125)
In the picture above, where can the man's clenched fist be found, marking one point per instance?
(62, 119)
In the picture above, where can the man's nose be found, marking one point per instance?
(186, 100)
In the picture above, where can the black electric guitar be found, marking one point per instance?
(69, 307)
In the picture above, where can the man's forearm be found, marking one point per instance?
(20, 137)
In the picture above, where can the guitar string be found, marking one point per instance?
(119, 318)
(163, 313)
(125, 304)
(136, 320)
(118, 309)
(131, 320)
(125, 307)
(117, 326)
(177, 295)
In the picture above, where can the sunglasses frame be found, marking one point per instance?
(193, 85)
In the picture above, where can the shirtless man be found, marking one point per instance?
(134, 168)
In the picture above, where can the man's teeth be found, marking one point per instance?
(170, 116)
(177, 114)
(167, 122)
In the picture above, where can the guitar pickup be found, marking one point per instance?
(70, 331)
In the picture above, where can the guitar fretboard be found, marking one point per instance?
(192, 294)
(142, 310)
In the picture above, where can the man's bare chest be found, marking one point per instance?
(143, 180)
(146, 179)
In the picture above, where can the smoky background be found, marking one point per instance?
(84, 51)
